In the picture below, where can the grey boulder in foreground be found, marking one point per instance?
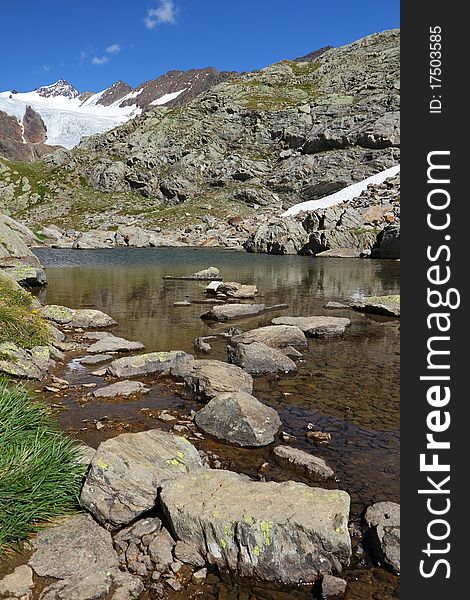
(128, 470)
(286, 532)
(239, 418)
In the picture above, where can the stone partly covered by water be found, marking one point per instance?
(387, 306)
(147, 364)
(121, 388)
(302, 463)
(275, 336)
(208, 378)
(383, 520)
(239, 418)
(111, 343)
(257, 535)
(128, 470)
(316, 326)
(257, 358)
(81, 317)
(233, 289)
(230, 312)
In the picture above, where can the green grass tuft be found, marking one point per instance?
(40, 478)
(19, 321)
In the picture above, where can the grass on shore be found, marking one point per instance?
(40, 478)
(19, 321)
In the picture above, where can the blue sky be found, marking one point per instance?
(93, 43)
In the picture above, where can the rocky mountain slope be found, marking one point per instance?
(254, 144)
(68, 115)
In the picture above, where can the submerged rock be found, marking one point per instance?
(111, 343)
(80, 317)
(383, 521)
(316, 326)
(146, 364)
(121, 388)
(242, 526)
(208, 378)
(302, 463)
(257, 358)
(128, 470)
(239, 418)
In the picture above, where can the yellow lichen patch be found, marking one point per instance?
(266, 527)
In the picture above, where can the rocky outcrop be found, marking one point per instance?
(23, 141)
(292, 541)
(34, 129)
(252, 145)
(127, 472)
(24, 364)
(240, 419)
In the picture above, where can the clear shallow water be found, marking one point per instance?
(349, 386)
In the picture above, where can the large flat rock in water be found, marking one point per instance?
(287, 532)
(230, 312)
(208, 378)
(386, 306)
(111, 343)
(128, 470)
(146, 364)
(276, 336)
(80, 317)
(316, 326)
(240, 419)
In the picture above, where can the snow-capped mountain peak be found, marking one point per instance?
(59, 88)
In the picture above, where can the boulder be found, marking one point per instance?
(233, 289)
(210, 273)
(229, 312)
(239, 418)
(287, 236)
(386, 306)
(316, 326)
(111, 343)
(275, 336)
(213, 287)
(75, 547)
(127, 472)
(25, 364)
(146, 364)
(208, 378)
(81, 317)
(121, 388)
(242, 526)
(302, 463)
(383, 521)
(257, 358)
(95, 360)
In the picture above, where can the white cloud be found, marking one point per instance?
(114, 49)
(165, 12)
(99, 60)
(46, 68)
